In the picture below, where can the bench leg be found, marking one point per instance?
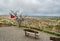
(36, 36)
(26, 34)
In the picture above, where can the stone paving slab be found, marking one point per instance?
(17, 34)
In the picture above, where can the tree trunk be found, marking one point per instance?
(19, 23)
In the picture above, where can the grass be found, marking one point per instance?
(43, 31)
(52, 33)
(47, 31)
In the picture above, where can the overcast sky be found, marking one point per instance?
(31, 7)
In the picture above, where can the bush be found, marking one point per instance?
(46, 31)
(43, 30)
(52, 33)
(36, 28)
(14, 25)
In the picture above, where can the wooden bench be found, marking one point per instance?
(30, 31)
(54, 39)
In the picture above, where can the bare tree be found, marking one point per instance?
(19, 19)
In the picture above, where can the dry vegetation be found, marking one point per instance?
(6, 21)
(49, 24)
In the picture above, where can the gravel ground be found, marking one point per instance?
(17, 34)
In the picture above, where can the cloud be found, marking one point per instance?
(31, 7)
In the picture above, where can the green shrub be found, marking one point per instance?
(46, 31)
(43, 30)
(14, 25)
(36, 28)
(52, 33)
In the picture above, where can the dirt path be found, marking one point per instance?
(17, 34)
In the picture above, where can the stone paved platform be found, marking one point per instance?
(17, 34)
